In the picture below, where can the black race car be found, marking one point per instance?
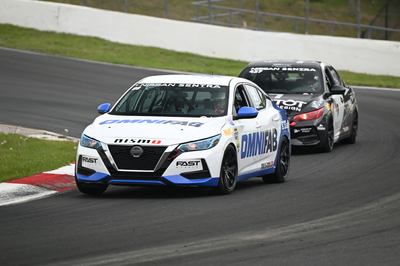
(322, 108)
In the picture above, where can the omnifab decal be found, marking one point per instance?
(258, 143)
(149, 121)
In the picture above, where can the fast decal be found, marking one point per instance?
(190, 164)
(163, 122)
(290, 104)
(179, 85)
(89, 160)
(258, 143)
(261, 69)
(143, 141)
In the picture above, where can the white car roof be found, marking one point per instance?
(190, 79)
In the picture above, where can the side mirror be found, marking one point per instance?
(247, 112)
(103, 108)
(337, 90)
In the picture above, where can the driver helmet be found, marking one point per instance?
(217, 96)
(309, 78)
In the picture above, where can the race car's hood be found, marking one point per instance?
(298, 103)
(152, 130)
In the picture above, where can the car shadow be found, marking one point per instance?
(171, 192)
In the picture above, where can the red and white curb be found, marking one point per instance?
(37, 186)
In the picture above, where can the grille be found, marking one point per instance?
(125, 161)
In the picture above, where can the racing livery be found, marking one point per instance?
(185, 130)
(321, 107)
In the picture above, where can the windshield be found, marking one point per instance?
(285, 79)
(185, 100)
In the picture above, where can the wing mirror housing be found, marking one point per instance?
(337, 90)
(103, 108)
(247, 112)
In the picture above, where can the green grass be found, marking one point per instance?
(21, 156)
(97, 49)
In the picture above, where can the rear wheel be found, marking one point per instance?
(91, 189)
(282, 164)
(228, 173)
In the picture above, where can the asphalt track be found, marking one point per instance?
(341, 208)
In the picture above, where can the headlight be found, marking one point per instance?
(198, 145)
(89, 142)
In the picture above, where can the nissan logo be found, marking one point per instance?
(136, 151)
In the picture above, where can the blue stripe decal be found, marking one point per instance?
(96, 177)
(256, 173)
(135, 182)
(180, 180)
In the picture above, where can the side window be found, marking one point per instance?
(338, 76)
(335, 77)
(241, 98)
(329, 79)
(256, 97)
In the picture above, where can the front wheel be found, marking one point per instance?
(329, 140)
(228, 173)
(282, 164)
(91, 189)
(353, 132)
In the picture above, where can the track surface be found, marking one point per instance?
(341, 208)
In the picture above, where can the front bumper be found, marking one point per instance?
(100, 166)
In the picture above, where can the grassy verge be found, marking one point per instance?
(21, 156)
(105, 51)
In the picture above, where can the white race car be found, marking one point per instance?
(185, 130)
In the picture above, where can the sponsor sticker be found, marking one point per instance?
(192, 164)
(290, 104)
(267, 165)
(89, 161)
(150, 121)
(261, 69)
(142, 141)
(284, 125)
(228, 132)
(259, 143)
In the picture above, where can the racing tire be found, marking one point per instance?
(282, 164)
(353, 133)
(91, 189)
(228, 173)
(329, 139)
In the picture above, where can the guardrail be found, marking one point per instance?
(216, 12)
